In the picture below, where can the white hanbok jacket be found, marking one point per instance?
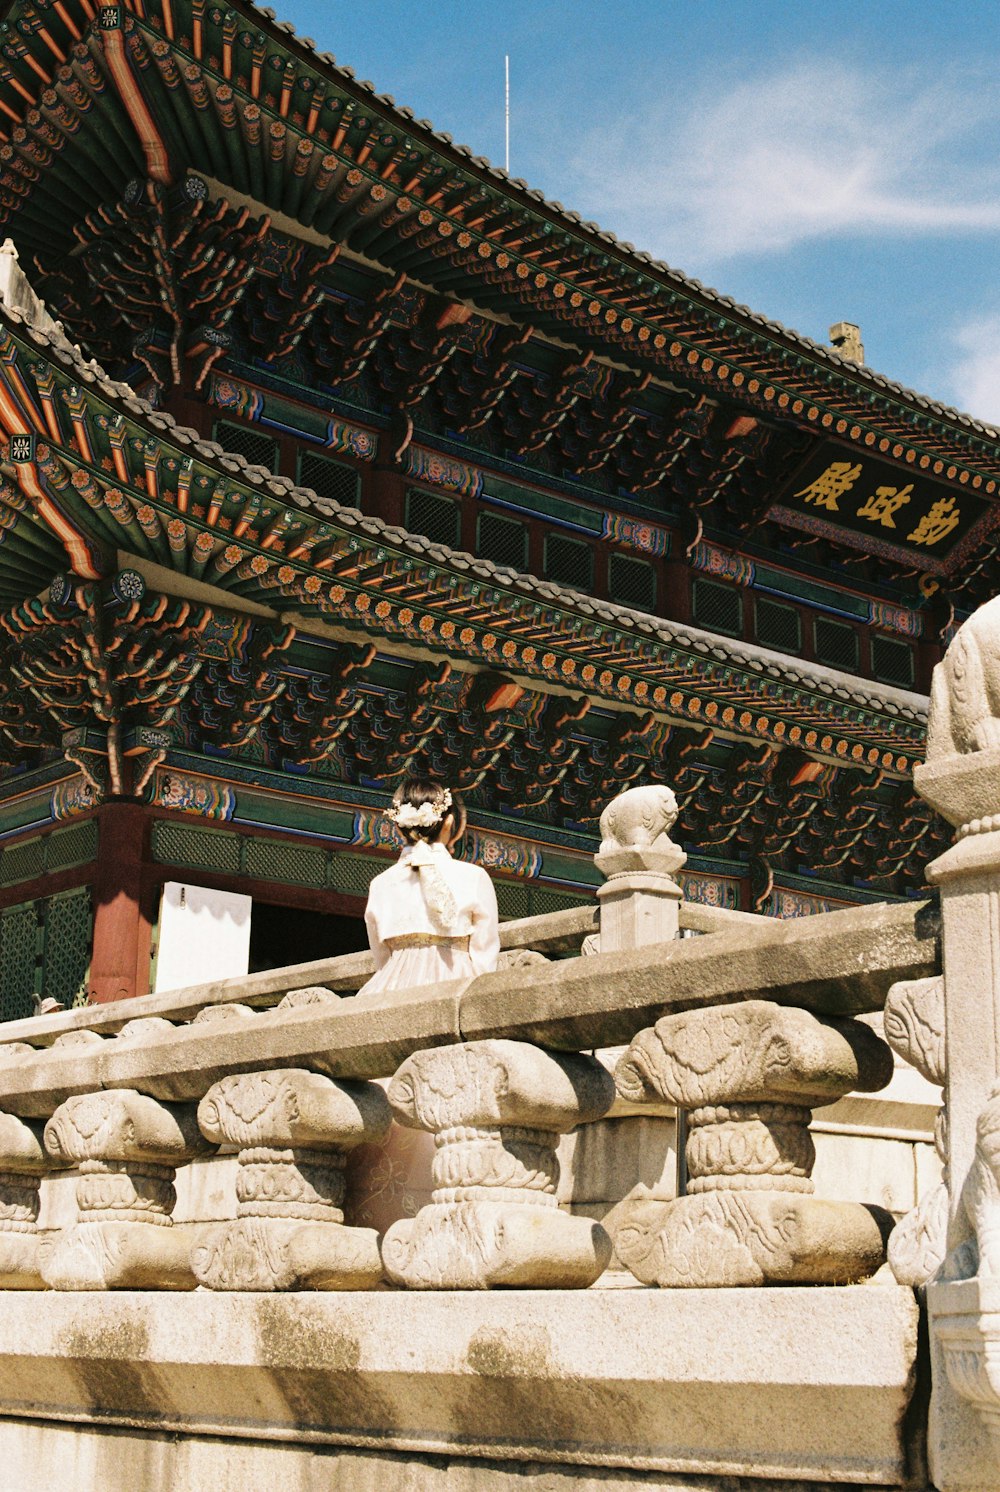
(430, 918)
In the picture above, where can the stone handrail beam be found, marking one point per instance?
(837, 964)
(551, 933)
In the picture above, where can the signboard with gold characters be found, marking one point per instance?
(884, 507)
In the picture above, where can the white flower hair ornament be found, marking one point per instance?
(424, 817)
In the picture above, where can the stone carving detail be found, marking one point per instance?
(638, 819)
(294, 1129)
(23, 1162)
(497, 1109)
(914, 1028)
(521, 958)
(312, 994)
(222, 1015)
(127, 1147)
(965, 692)
(749, 1075)
(640, 897)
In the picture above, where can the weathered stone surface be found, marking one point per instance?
(498, 1082)
(964, 1423)
(497, 1108)
(123, 1126)
(754, 1052)
(834, 964)
(183, 1063)
(292, 1107)
(127, 1147)
(961, 779)
(479, 1245)
(294, 1129)
(725, 1238)
(596, 1384)
(100, 1460)
(837, 963)
(23, 1162)
(748, 1076)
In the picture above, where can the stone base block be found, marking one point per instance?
(19, 1262)
(577, 1389)
(963, 1433)
(750, 1238)
(474, 1245)
(262, 1253)
(119, 1256)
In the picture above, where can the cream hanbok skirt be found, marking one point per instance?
(392, 1180)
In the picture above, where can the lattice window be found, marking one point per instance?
(717, 608)
(437, 518)
(512, 900)
(892, 660)
(332, 479)
(18, 951)
(273, 860)
(836, 644)
(202, 849)
(68, 924)
(253, 445)
(569, 562)
(504, 541)
(23, 862)
(632, 582)
(352, 874)
(75, 846)
(778, 625)
(553, 901)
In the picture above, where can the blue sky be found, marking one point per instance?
(819, 162)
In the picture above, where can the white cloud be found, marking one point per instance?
(974, 375)
(816, 150)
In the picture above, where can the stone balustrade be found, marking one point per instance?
(259, 1090)
(497, 1069)
(596, 1018)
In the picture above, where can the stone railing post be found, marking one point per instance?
(497, 1109)
(127, 1147)
(640, 898)
(750, 1076)
(23, 1162)
(961, 779)
(294, 1129)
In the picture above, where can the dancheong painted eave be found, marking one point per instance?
(106, 472)
(175, 85)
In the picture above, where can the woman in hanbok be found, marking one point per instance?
(430, 919)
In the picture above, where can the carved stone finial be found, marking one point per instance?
(749, 1075)
(961, 776)
(497, 1108)
(294, 1129)
(635, 832)
(965, 695)
(128, 1147)
(639, 900)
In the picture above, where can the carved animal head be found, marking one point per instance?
(965, 694)
(637, 818)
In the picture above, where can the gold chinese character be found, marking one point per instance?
(839, 477)
(936, 524)
(884, 502)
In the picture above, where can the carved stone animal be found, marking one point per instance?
(637, 818)
(965, 694)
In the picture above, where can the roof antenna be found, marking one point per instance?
(506, 115)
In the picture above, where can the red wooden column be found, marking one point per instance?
(119, 964)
